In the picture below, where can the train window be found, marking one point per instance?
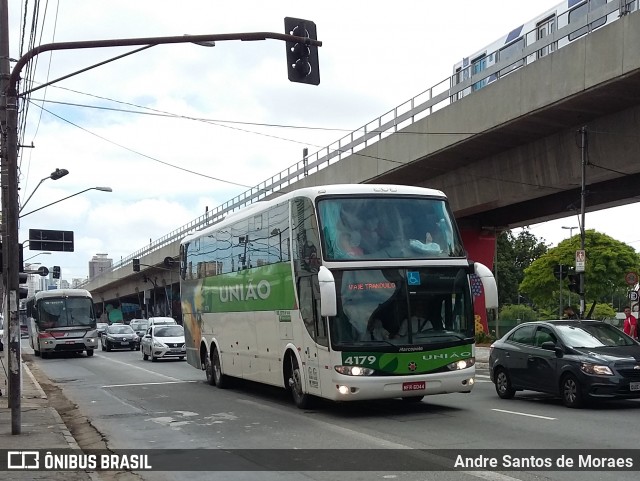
(512, 50)
(577, 13)
(478, 65)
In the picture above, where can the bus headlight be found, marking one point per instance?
(461, 364)
(354, 370)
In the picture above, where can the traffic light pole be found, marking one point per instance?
(9, 175)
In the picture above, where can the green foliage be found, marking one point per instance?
(603, 311)
(484, 338)
(521, 311)
(514, 254)
(606, 264)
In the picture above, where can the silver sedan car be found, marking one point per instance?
(163, 342)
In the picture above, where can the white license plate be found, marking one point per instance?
(634, 386)
(125, 343)
(413, 386)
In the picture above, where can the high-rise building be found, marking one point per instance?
(98, 264)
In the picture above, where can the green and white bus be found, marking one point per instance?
(315, 291)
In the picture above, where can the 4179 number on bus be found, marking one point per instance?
(360, 360)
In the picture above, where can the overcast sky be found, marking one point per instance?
(164, 170)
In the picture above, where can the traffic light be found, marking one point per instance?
(23, 290)
(136, 265)
(56, 272)
(302, 59)
(574, 282)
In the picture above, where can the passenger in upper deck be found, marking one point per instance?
(349, 244)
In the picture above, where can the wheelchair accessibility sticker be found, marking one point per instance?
(413, 278)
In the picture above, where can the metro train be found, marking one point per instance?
(511, 46)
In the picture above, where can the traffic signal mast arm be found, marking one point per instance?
(151, 41)
(168, 264)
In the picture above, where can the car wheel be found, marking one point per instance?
(102, 346)
(571, 391)
(181, 358)
(301, 400)
(89, 352)
(144, 355)
(153, 358)
(503, 384)
(108, 347)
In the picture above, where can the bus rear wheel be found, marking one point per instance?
(300, 399)
(219, 379)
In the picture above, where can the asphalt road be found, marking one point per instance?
(137, 404)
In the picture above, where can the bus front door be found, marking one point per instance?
(309, 292)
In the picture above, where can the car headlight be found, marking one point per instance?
(354, 370)
(461, 364)
(157, 343)
(597, 369)
(184, 347)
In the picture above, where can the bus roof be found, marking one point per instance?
(318, 191)
(62, 293)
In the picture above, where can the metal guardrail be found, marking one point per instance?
(442, 94)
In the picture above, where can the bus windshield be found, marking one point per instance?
(378, 307)
(387, 228)
(55, 312)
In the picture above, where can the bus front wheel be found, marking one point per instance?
(300, 399)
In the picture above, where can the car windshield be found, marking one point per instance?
(139, 325)
(592, 335)
(120, 330)
(169, 331)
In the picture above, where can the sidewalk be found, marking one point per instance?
(41, 427)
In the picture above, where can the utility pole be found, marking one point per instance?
(10, 223)
(9, 176)
(583, 196)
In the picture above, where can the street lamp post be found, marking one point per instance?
(570, 229)
(103, 189)
(38, 254)
(9, 104)
(55, 175)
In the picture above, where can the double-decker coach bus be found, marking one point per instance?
(61, 320)
(345, 292)
(575, 17)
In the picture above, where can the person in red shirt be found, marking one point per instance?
(630, 326)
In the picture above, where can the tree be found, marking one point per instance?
(606, 264)
(514, 254)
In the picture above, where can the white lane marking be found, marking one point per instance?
(140, 368)
(146, 383)
(524, 414)
(488, 475)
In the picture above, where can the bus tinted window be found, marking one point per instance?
(387, 228)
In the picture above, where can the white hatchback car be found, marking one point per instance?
(162, 342)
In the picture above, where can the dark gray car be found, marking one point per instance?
(576, 360)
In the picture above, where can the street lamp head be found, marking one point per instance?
(104, 189)
(58, 173)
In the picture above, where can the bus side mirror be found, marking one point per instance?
(489, 285)
(328, 301)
